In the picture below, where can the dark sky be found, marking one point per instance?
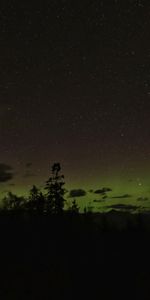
(75, 88)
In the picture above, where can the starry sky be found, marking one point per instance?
(75, 88)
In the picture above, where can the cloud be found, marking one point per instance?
(142, 199)
(5, 172)
(122, 196)
(103, 190)
(77, 193)
(123, 206)
(104, 196)
(99, 201)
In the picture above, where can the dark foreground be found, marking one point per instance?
(72, 258)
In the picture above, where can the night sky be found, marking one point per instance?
(75, 88)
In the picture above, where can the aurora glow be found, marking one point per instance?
(75, 88)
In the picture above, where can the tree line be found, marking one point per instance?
(52, 201)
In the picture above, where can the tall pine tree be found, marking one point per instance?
(55, 191)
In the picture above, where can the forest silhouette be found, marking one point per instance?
(53, 251)
(51, 202)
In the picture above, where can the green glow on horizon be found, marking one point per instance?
(136, 186)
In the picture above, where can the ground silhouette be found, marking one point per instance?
(49, 251)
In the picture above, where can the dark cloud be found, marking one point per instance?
(123, 206)
(105, 196)
(103, 190)
(99, 201)
(5, 172)
(142, 199)
(77, 193)
(122, 196)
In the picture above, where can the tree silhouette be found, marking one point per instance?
(33, 196)
(13, 202)
(55, 191)
(74, 209)
(41, 203)
(36, 200)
